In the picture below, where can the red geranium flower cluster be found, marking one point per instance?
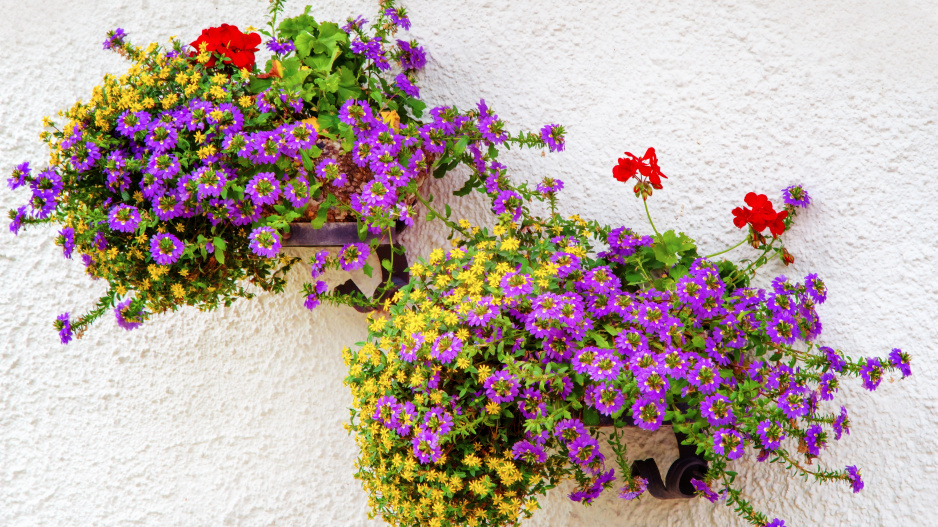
(646, 167)
(761, 215)
(230, 42)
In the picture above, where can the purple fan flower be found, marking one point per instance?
(280, 48)
(409, 352)
(901, 360)
(406, 86)
(353, 256)
(427, 447)
(358, 23)
(501, 387)
(793, 404)
(553, 136)
(446, 347)
(405, 418)
(20, 174)
(771, 434)
(528, 452)
(606, 365)
(385, 410)
(312, 299)
(775, 523)
(482, 312)
(115, 38)
(796, 196)
(841, 424)
(853, 475)
(68, 241)
(872, 373)
(718, 410)
(125, 319)
(371, 51)
(166, 248)
(816, 288)
(398, 18)
(508, 201)
(318, 263)
(584, 451)
(265, 242)
(728, 442)
(438, 421)
(515, 284)
(636, 488)
(549, 186)
(651, 381)
(705, 376)
(412, 56)
(815, 439)
(211, 181)
(264, 189)
(648, 412)
(704, 490)
(836, 361)
(65, 332)
(608, 399)
(828, 385)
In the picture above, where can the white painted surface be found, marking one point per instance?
(235, 417)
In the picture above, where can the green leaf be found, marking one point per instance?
(220, 256)
(590, 417)
(386, 264)
(304, 43)
(329, 84)
(612, 331)
(323, 212)
(367, 270)
(460, 147)
(219, 243)
(471, 183)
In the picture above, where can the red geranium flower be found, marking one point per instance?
(646, 166)
(228, 41)
(761, 215)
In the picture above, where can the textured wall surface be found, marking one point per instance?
(235, 417)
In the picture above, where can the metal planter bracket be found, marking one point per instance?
(341, 234)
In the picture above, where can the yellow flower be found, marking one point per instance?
(492, 408)
(510, 244)
(178, 291)
(471, 460)
(206, 151)
(246, 101)
(121, 290)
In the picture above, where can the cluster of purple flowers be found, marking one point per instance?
(426, 429)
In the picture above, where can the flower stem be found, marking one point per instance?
(648, 214)
(727, 250)
(442, 218)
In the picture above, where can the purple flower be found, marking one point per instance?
(651, 381)
(482, 312)
(20, 174)
(836, 361)
(828, 385)
(872, 373)
(508, 201)
(515, 284)
(816, 288)
(353, 256)
(841, 424)
(265, 242)
(68, 241)
(608, 399)
(775, 523)
(553, 136)
(318, 263)
(584, 451)
(65, 328)
(771, 434)
(123, 218)
(280, 48)
(312, 299)
(211, 181)
(264, 189)
(357, 23)
(727, 442)
(412, 56)
(166, 248)
(704, 490)
(796, 196)
(398, 18)
(901, 360)
(371, 51)
(438, 421)
(528, 452)
(606, 365)
(853, 476)
(781, 329)
(636, 487)
(815, 439)
(793, 404)
(501, 387)
(648, 412)
(446, 347)
(704, 376)
(549, 186)
(427, 447)
(385, 410)
(410, 348)
(125, 319)
(115, 38)
(406, 86)
(718, 410)
(405, 418)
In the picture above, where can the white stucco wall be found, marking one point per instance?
(235, 417)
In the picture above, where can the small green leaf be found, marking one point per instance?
(220, 256)
(367, 270)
